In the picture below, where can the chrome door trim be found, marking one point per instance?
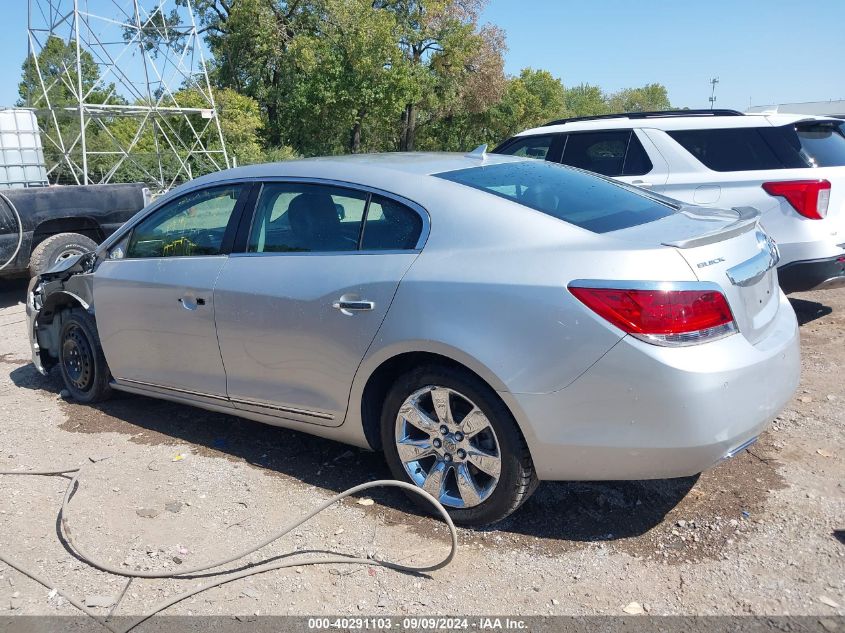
(188, 392)
(291, 410)
(251, 403)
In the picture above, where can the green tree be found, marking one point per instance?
(50, 84)
(650, 97)
(250, 41)
(347, 74)
(57, 83)
(585, 100)
(528, 100)
(451, 60)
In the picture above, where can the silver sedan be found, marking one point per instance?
(486, 321)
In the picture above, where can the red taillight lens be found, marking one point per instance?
(662, 316)
(809, 197)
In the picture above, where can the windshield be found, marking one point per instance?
(578, 197)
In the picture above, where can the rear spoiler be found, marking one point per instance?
(746, 219)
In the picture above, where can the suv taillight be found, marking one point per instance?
(809, 197)
(662, 317)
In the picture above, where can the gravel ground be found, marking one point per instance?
(167, 485)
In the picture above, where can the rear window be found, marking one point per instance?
(822, 143)
(734, 149)
(573, 196)
(807, 144)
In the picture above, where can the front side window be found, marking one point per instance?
(299, 218)
(582, 199)
(190, 226)
(528, 146)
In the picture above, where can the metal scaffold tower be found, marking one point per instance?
(122, 92)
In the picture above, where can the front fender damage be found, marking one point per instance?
(66, 285)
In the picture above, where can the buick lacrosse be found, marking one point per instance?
(485, 321)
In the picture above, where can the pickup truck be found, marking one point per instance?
(58, 222)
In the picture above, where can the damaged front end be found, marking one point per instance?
(66, 285)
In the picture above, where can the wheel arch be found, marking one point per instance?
(50, 320)
(83, 225)
(378, 373)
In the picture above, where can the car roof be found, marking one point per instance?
(682, 122)
(355, 168)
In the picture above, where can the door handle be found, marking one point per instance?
(348, 307)
(191, 304)
(641, 183)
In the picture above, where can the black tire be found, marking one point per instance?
(55, 248)
(81, 360)
(517, 479)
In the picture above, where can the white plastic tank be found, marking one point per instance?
(21, 154)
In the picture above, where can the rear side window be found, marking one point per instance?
(738, 149)
(528, 146)
(296, 218)
(308, 218)
(390, 226)
(822, 144)
(610, 153)
(587, 201)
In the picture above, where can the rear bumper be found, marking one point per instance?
(647, 412)
(813, 274)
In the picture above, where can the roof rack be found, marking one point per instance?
(649, 115)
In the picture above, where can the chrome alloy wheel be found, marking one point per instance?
(448, 446)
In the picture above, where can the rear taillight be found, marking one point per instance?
(809, 197)
(662, 317)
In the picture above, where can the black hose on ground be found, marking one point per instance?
(298, 562)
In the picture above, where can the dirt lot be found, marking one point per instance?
(756, 535)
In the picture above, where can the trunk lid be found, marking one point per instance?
(728, 248)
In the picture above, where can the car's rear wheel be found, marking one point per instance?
(56, 248)
(448, 432)
(83, 365)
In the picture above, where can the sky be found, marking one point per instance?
(763, 51)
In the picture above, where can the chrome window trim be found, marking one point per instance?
(157, 204)
(415, 251)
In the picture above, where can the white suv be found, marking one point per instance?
(789, 167)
